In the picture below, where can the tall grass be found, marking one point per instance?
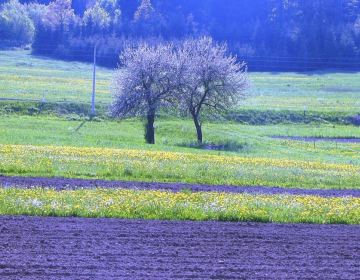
(164, 205)
(161, 166)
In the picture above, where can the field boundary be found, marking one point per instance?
(65, 183)
(60, 108)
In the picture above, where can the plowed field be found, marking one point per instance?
(83, 248)
(80, 248)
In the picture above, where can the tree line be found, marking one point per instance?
(271, 35)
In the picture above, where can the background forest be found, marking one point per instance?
(270, 35)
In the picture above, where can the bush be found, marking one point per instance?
(229, 145)
(51, 108)
(355, 120)
(259, 117)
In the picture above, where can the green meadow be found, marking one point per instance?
(68, 144)
(24, 76)
(319, 91)
(184, 205)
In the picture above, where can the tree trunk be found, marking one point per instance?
(149, 128)
(198, 127)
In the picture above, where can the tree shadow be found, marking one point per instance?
(80, 126)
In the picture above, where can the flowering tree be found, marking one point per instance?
(208, 77)
(194, 75)
(145, 84)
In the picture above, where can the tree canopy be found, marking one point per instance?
(271, 35)
(15, 22)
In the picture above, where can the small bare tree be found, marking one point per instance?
(208, 77)
(144, 84)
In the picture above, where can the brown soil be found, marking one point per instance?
(83, 248)
(63, 183)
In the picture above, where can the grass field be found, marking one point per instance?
(319, 91)
(164, 205)
(115, 150)
(25, 76)
(173, 135)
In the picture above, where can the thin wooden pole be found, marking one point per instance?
(93, 91)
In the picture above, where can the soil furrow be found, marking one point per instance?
(64, 183)
(83, 248)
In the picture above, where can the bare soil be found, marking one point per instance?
(81, 248)
(84, 248)
(66, 183)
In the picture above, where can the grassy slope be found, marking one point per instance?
(319, 91)
(30, 77)
(72, 81)
(24, 76)
(256, 159)
(259, 160)
(172, 134)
